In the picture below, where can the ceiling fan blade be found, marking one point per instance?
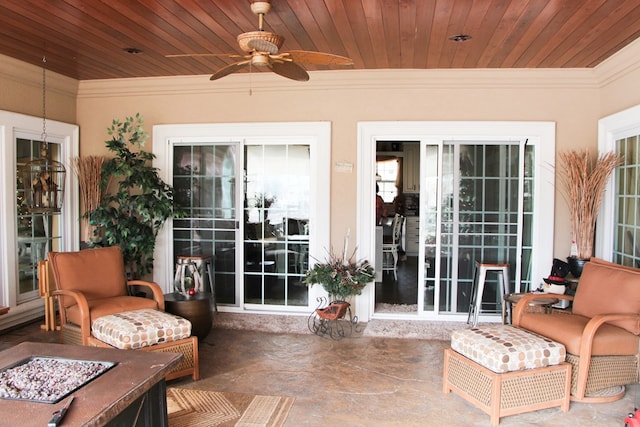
(317, 58)
(290, 70)
(198, 55)
(225, 71)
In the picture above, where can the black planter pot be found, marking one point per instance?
(576, 264)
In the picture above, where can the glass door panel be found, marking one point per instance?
(477, 207)
(626, 246)
(204, 180)
(276, 215)
(38, 232)
(430, 191)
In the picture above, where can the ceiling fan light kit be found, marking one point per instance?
(260, 60)
(262, 49)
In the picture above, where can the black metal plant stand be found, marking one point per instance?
(333, 319)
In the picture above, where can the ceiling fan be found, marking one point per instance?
(262, 50)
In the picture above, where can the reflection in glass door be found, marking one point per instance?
(276, 218)
(476, 205)
(204, 180)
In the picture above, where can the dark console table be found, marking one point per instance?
(132, 390)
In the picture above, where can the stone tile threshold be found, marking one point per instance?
(297, 324)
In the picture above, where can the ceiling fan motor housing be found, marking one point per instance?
(258, 37)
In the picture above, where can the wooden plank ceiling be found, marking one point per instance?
(89, 39)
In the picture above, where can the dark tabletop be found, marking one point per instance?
(96, 402)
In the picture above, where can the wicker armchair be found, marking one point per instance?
(600, 333)
(90, 284)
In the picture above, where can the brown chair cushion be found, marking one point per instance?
(608, 288)
(97, 273)
(105, 306)
(567, 329)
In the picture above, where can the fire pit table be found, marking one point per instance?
(133, 387)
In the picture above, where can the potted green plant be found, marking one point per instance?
(583, 180)
(132, 214)
(341, 277)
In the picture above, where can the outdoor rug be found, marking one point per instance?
(194, 408)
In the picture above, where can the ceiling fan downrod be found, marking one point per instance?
(260, 8)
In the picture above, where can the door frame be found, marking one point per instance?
(542, 134)
(67, 136)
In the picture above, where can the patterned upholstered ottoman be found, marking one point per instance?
(504, 370)
(149, 330)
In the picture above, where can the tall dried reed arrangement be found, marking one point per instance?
(89, 172)
(583, 179)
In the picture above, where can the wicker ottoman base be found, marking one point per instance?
(188, 347)
(508, 393)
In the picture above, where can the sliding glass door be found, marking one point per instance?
(277, 223)
(618, 230)
(204, 179)
(274, 253)
(486, 194)
(626, 247)
(256, 209)
(28, 233)
(476, 204)
(39, 230)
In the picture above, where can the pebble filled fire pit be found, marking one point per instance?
(47, 379)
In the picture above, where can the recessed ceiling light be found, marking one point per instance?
(132, 50)
(460, 38)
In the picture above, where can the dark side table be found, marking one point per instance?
(196, 309)
(544, 303)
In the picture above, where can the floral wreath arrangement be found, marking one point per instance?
(341, 277)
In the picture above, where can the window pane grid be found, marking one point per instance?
(277, 206)
(481, 220)
(627, 204)
(204, 187)
(38, 232)
(386, 178)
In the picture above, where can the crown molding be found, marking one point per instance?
(30, 75)
(524, 78)
(623, 62)
(343, 80)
